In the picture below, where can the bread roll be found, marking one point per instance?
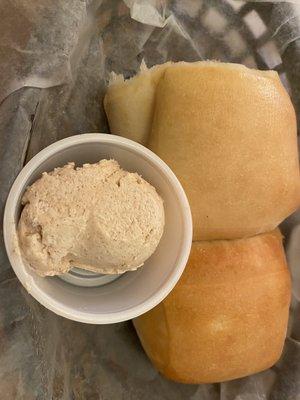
(227, 316)
(229, 134)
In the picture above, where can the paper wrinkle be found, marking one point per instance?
(36, 42)
(68, 49)
(150, 12)
(293, 257)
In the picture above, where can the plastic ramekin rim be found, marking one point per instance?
(16, 260)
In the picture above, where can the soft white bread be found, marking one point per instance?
(229, 134)
(227, 316)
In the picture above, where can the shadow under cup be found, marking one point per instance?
(132, 293)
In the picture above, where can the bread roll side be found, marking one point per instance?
(227, 316)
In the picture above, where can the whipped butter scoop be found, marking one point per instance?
(97, 217)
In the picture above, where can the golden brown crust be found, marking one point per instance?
(227, 316)
(229, 134)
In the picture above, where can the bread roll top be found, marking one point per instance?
(229, 134)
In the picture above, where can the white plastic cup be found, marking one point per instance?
(133, 293)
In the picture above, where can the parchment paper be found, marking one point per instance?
(55, 58)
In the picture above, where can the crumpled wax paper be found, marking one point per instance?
(30, 56)
(55, 61)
